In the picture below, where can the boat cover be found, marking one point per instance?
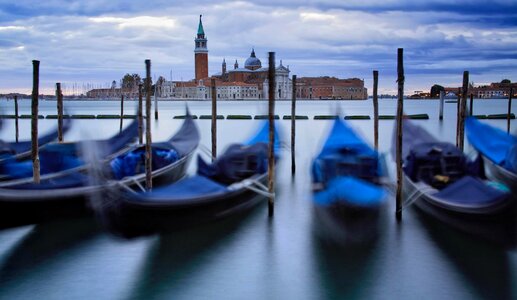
(133, 162)
(262, 136)
(188, 188)
(56, 157)
(472, 192)
(72, 180)
(494, 143)
(238, 162)
(345, 154)
(350, 190)
(13, 148)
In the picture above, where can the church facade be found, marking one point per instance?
(247, 82)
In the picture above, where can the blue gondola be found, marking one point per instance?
(22, 149)
(347, 178)
(66, 193)
(232, 184)
(56, 158)
(449, 187)
(499, 151)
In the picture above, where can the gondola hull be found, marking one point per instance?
(498, 173)
(126, 217)
(22, 207)
(496, 224)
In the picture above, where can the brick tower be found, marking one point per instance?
(201, 53)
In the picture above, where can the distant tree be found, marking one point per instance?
(159, 83)
(506, 81)
(114, 85)
(130, 81)
(435, 90)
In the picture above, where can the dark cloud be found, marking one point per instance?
(99, 41)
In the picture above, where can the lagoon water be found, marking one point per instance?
(254, 257)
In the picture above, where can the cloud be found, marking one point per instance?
(99, 41)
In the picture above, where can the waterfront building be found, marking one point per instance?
(331, 88)
(493, 90)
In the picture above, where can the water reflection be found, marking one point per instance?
(44, 245)
(485, 266)
(344, 272)
(179, 255)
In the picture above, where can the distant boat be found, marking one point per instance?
(452, 189)
(233, 184)
(347, 184)
(499, 150)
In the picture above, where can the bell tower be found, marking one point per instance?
(201, 52)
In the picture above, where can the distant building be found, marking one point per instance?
(331, 88)
(493, 90)
(249, 82)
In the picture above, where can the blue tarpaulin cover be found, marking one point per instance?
(56, 157)
(471, 191)
(350, 190)
(494, 143)
(191, 187)
(238, 162)
(133, 162)
(344, 146)
(347, 168)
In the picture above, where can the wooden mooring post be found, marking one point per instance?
(16, 133)
(509, 115)
(148, 156)
(375, 110)
(463, 110)
(400, 111)
(155, 102)
(271, 156)
(214, 120)
(458, 104)
(293, 127)
(471, 106)
(34, 122)
(140, 116)
(442, 100)
(121, 112)
(59, 98)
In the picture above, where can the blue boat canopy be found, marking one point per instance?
(351, 190)
(497, 145)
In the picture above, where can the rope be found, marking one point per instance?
(205, 150)
(138, 184)
(415, 195)
(253, 185)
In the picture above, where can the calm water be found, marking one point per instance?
(254, 257)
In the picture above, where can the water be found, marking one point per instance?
(254, 257)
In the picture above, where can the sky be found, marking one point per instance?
(95, 42)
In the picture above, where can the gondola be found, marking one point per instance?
(67, 193)
(232, 184)
(499, 151)
(56, 158)
(451, 188)
(347, 177)
(21, 149)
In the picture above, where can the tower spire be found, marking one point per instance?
(200, 30)
(201, 52)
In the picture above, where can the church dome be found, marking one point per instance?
(252, 62)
